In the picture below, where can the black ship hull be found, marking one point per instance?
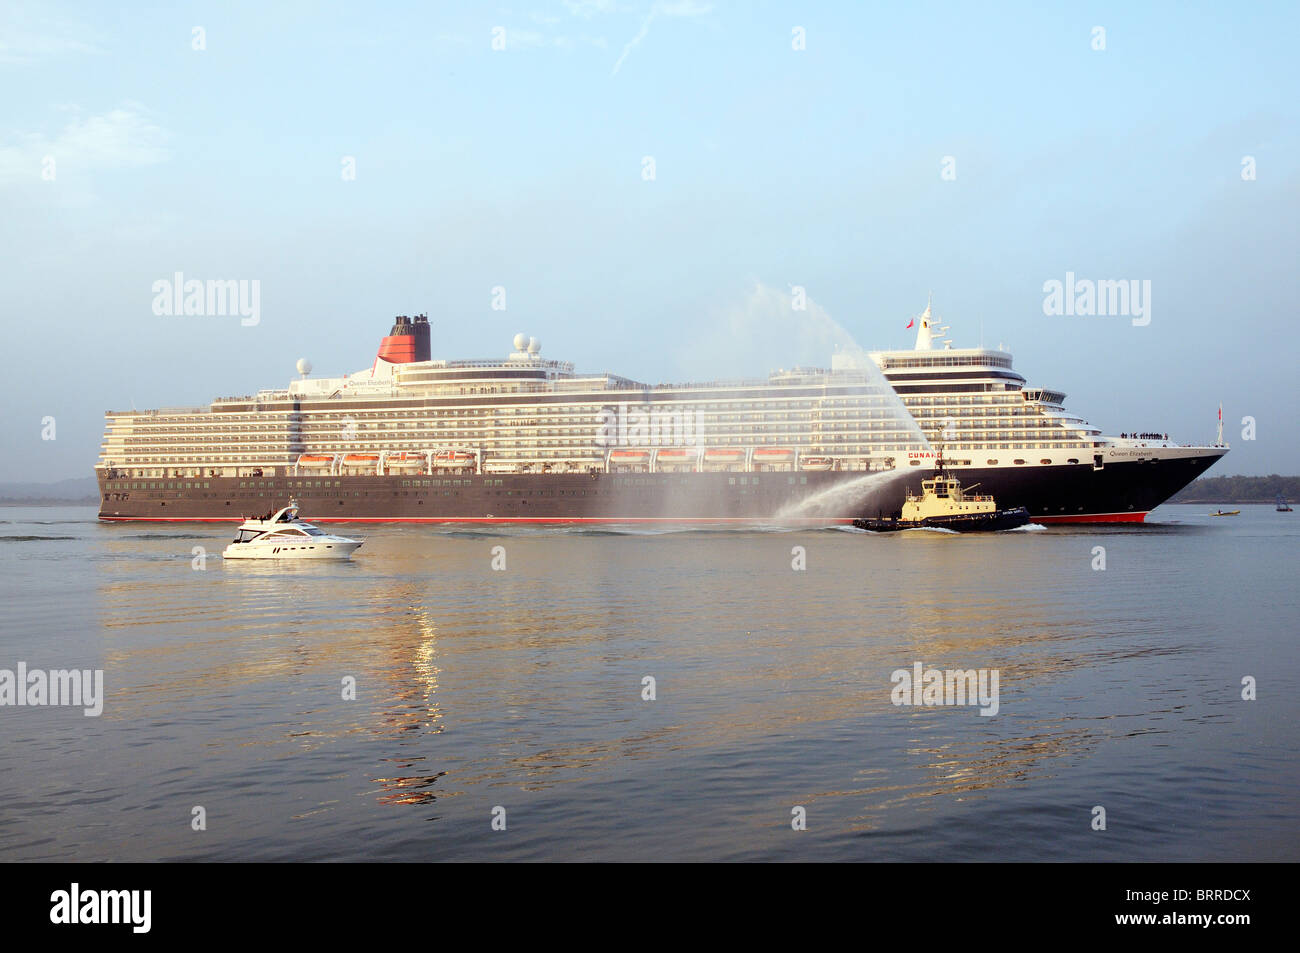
(1123, 490)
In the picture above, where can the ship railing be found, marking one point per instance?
(1153, 444)
(157, 412)
(788, 379)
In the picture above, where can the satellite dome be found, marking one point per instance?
(304, 366)
(534, 345)
(521, 341)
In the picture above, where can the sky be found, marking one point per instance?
(654, 185)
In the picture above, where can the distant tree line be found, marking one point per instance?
(1239, 489)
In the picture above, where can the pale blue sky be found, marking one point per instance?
(522, 168)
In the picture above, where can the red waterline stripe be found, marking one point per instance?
(1094, 518)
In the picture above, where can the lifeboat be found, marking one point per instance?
(361, 460)
(817, 463)
(453, 458)
(773, 455)
(638, 460)
(315, 460)
(724, 455)
(405, 460)
(676, 456)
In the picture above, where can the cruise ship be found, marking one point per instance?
(527, 439)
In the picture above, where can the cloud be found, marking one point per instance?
(121, 137)
(26, 38)
(532, 40)
(524, 39)
(633, 43)
(589, 8)
(683, 8)
(665, 8)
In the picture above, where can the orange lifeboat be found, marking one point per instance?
(773, 455)
(405, 460)
(638, 460)
(676, 456)
(361, 460)
(453, 458)
(315, 460)
(724, 455)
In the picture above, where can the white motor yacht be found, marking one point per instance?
(284, 536)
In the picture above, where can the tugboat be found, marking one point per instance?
(943, 504)
(1282, 505)
(283, 536)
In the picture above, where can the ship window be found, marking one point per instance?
(1020, 461)
(993, 463)
(1072, 460)
(917, 463)
(1044, 460)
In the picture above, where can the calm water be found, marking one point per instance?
(522, 688)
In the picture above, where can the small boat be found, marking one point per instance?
(284, 536)
(405, 460)
(722, 458)
(1282, 505)
(816, 463)
(356, 460)
(629, 456)
(315, 460)
(453, 459)
(943, 504)
(1226, 513)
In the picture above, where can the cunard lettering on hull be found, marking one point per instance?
(527, 439)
